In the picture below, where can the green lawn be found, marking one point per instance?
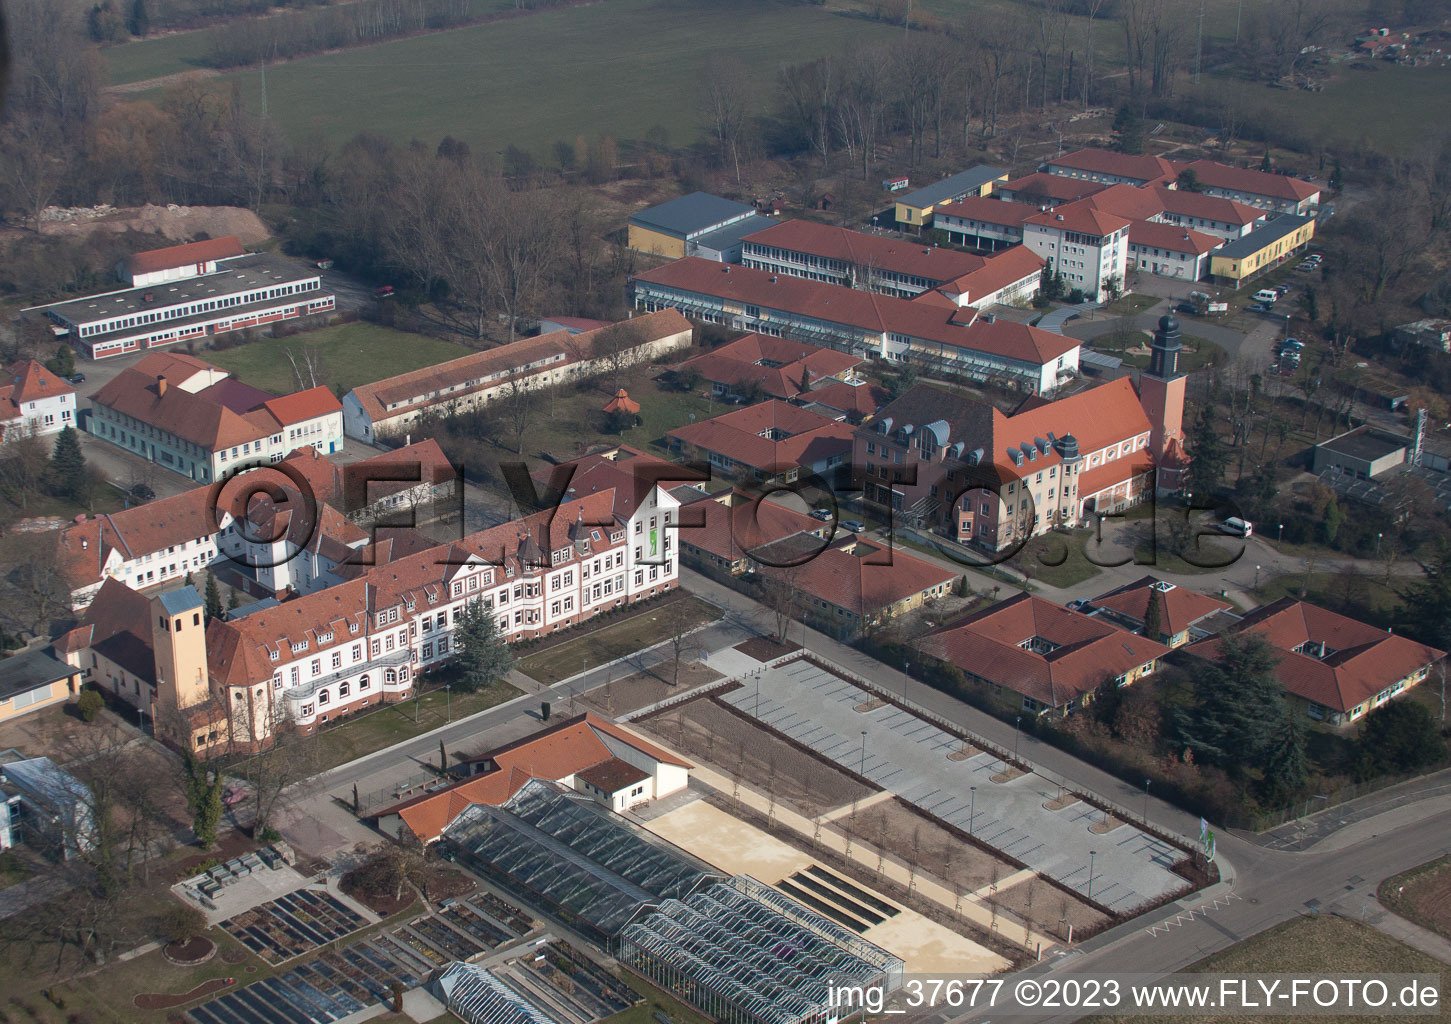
(616, 640)
(395, 723)
(1058, 560)
(1197, 353)
(655, 999)
(1329, 588)
(1309, 945)
(352, 354)
(1131, 304)
(571, 415)
(618, 68)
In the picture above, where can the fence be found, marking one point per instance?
(372, 801)
(702, 690)
(1267, 820)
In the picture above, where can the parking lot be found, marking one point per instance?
(911, 758)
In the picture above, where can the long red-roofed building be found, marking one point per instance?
(861, 323)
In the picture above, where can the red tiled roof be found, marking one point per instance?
(865, 584)
(1179, 607)
(29, 381)
(471, 373)
(572, 747)
(1082, 217)
(988, 211)
(859, 309)
(1140, 167)
(733, 524)
(1097, 417)
(1197, 204)
(880, 252)
(1030, 187)
(1363, 661)
(119, 620)
(739, 362)
(1172, 237)
(301, 406)
(1127, 201)
(1007, 267)
(737, 435)
(852, 399)
(184, 255)
(85, 546)
(1213, 174)
(1088, 649)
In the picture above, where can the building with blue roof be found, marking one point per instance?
(682, 227)
(914, 210)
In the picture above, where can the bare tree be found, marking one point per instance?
(518, 400)
(782, 596)
(726, 107)
(685, 642)
(270, 774)
(308, 370)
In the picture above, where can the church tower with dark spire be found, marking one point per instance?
(1161, 392)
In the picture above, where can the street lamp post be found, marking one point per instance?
(1017, 727)
(448, 699)
(757, 712)
(1257, 577)
(972, 810)
(1378, 537)
(906, 671)
(1146, 799)
(862, 770)
(1281, 537)
(1091, 854)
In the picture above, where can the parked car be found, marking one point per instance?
(821, 514)
(1187, 308)
(1292, 345)
(79, 378)
(324, 264)
(383, 292)
(1260, 307)
(1078, 605)
(853, 526)
(142, 493)
(1282, 290)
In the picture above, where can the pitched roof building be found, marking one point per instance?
(1337, 668)
(391, 407)
(990, 478)
(190, 417)
(178, 262)
(861, 323)
(587, 753)
(1181, 611)
(782, 368)
(769, 441)
(33, 400)
(1041, 655)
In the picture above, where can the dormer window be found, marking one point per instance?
(274, 655)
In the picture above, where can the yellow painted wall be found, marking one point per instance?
(58, 692)
(919, 216)
(1247, 266)
(645, 240)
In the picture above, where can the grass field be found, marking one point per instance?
(1058, 560)
(616, 640)
(352, 354)
(621, 67)
(1422, 895)
(1310, 945)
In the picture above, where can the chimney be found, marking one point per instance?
(160, 385)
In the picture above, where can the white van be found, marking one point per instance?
(1238, 527)
(1266, 295)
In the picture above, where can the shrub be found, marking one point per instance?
(182, 923)
(90, 704)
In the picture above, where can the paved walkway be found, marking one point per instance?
(909, 756)
(822, 834)
(1053, 320)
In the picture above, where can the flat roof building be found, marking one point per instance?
(1262, 249)
(248, 291)
(915, 209)
(1364, 452)
(679, 227)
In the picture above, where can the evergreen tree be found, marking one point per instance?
(64, 363)
(233, 601)
(1128, 131)
(1265, 164)
(1285, 768)
(212, 598)
(1426, 612)
(1237, 702)
(1154, 615)
(138, 23)
(1399, 736)
(208, 813)
(1209, 458)
(1330, 524)
(68, 465)
(482, 656)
